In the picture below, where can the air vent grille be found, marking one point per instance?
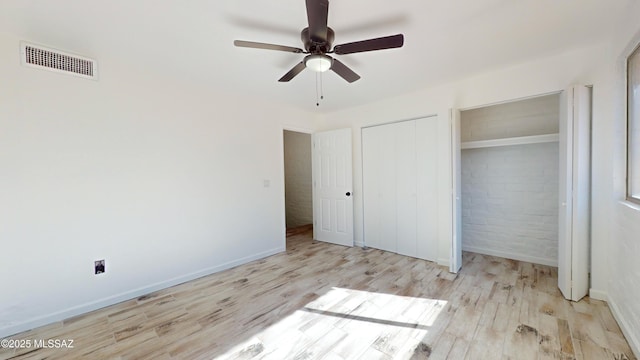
(54, 60)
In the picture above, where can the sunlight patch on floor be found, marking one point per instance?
(345, 324)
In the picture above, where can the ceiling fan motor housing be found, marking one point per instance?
(317, 47)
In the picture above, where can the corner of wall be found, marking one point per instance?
(598, 295)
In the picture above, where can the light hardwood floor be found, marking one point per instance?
(321, 301)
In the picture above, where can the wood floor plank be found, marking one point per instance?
(565, 338)
(322, 301)
(458, 349)
(549, 347)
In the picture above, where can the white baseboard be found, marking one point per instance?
(359, 243)
(508, 255)
(631, 336)
(598, 295)
(29, 324)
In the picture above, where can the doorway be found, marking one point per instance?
(298, 182)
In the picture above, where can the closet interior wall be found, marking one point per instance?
(510, 178)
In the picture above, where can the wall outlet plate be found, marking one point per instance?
(98, 267)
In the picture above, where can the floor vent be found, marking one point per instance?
(58, 61)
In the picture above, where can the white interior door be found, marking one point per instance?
(456, 193)
(332, 187)
(574, 192)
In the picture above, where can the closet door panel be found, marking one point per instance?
(371, 186)
(405, 159)
(379, 188)
(387, 194)
(427, 187)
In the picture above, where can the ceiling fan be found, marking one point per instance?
(318, 39)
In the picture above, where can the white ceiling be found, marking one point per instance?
(193, 39)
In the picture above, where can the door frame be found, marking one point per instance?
(284, 128)
(456, 192)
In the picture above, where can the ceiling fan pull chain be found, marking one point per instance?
(317, 101)
(321, 88)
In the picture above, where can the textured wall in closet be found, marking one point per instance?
(536, 116)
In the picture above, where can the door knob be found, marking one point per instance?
(348, 193)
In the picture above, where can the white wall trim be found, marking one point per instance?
(132, 294)
(598, 295)
(508, 255)
(631, 337)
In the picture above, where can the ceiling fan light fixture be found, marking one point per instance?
(318, 62)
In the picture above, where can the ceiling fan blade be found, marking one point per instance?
(344, 72)
(387, 42)
(293, 72)
(257, 45)
(263, 26)
(317, 15)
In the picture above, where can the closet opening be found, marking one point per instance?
(510, 179)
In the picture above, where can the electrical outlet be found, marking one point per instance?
(98, 266)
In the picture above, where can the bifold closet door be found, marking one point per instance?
(379, 169)
(427, 187)
(406, 192)
(400, 187)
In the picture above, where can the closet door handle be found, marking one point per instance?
(348, 193)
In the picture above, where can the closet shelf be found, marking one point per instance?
(521, 140)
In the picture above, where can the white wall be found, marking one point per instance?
(297, 171)
(623, 246)
(162, 180)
